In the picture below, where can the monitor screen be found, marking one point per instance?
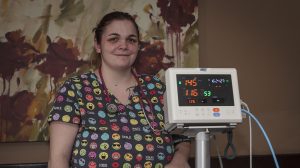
(204, 90)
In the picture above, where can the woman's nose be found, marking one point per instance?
(123, 44)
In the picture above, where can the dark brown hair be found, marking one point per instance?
(108, 18)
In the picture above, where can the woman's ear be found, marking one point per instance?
(97, 47)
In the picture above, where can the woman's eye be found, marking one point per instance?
(115, 39)
(132, 41)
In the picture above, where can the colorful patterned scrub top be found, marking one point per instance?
(123, 139)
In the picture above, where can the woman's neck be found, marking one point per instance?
(115, 78)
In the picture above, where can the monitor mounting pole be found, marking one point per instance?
(202, 140)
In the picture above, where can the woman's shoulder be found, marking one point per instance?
(150, 78)
(86, 75)
(152, 81)
(79, 77)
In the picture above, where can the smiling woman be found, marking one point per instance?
(118, 46)
(98, 108)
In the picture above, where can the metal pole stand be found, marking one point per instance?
(202, 139)
(202, 149)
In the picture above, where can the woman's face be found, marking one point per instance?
(119, 45)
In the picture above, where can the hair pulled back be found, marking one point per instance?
(108, 18)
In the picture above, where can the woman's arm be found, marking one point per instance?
(181, 156)
(62, 136)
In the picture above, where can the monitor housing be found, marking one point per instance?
(202, 97)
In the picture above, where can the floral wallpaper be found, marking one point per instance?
(42, 42)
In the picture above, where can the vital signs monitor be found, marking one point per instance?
(202, 96)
